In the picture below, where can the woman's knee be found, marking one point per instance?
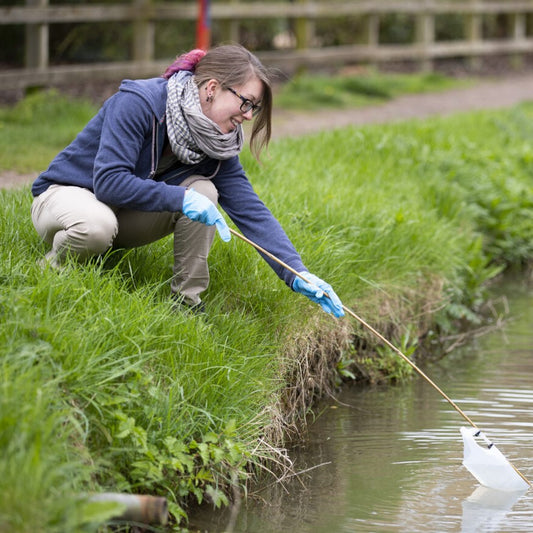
(94, 236)
(205, 187)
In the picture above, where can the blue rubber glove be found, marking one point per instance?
(316, 291)
(198, 207)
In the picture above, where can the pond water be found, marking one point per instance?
(389, 458)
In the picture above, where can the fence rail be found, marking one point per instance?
(38, 15)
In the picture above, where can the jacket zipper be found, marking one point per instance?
(154, 149)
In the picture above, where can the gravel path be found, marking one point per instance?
(497, 94)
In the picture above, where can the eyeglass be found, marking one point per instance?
(247, 104)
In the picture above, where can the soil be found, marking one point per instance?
(497, 93)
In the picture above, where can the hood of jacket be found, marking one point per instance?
(153, 91)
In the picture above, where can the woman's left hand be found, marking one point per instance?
(319, 292)
(199, 208)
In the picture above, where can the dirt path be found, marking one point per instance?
(485, 95)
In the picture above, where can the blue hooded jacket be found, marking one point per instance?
(116, 156)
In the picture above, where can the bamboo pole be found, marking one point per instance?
(380, 337)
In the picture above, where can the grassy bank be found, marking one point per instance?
(104, 388)
(367, 86)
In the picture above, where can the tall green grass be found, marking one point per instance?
(104, 387)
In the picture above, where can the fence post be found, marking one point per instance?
(304, 30)
(474, 32)
(37, 54)
(230, 29)
(519, 26)
(425, 36)
(143, 33)
(371, 32)
(371, 36)
(519, 34)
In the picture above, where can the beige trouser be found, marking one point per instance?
(75, 223)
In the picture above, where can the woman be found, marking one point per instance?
(156, 159)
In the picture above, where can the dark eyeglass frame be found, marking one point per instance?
(247, 104)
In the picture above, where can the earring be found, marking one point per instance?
(209, 98)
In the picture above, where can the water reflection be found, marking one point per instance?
(486, 509)
(392, 456)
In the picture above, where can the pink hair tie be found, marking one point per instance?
(187, 61)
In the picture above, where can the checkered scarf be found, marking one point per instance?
(192, 135)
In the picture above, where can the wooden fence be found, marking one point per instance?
(38, 15)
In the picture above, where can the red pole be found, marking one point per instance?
(203, 25)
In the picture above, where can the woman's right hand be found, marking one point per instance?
(319, 292)
(199, 208)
